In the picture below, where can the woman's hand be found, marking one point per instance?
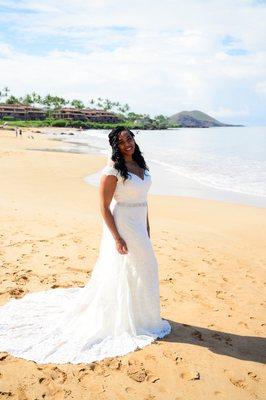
(121, 246)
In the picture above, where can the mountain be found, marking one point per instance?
(196, 119)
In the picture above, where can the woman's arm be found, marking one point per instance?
(106, 190)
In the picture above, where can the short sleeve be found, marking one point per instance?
(108, 170)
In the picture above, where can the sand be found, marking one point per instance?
(211, 259)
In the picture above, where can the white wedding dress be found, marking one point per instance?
(116, 312)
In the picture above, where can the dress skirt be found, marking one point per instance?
(116, 312)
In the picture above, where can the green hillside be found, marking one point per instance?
(197, 119)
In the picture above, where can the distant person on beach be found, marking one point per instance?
(20, 132)
(16, 130)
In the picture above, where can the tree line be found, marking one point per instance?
(52, 103)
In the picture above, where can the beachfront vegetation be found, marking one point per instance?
(50, 104)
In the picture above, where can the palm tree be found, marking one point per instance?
(161, 121)
(48, 101)
(36, 98)
(99, 102)
(4, 92)
(77, 104)
(58, 102)
(27, 101)
(12, 100)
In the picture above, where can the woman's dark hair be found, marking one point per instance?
(117, 156)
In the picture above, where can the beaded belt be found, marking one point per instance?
(124, 204)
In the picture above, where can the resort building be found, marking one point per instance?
(23, 112)
(85, 114)
(20, 111)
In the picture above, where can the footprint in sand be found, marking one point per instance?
(217, 336)
(167, 280)
(21, 393)
(243, 323)
(190, 375)
(136, 371)
(83, 377)
(253, 376)
(58, 375)
(63, 258)
(7, 394)
(150, 357)
(227, 339)
(197, 335)
(219, 294)
(77, 269)
(186, 371)
(196, 296)
(85, 372)
(48, 280)
(16, 292)
(54, 393)
(112, 363)
(210, 262)
(249, 276)
(163, 300)
(240, 383)
(21, 279)
(25, 256)
(173, 355)
(130, 390)
(76, 240)
(253, 280)
(152, 378)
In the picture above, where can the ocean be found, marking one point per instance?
(225, 164)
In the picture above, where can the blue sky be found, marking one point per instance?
(159, 57)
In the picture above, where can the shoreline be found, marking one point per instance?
(56, 145)
(188, 187)
(211, 258)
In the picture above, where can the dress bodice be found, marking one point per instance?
(133, 189)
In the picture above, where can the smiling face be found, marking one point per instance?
(126, 144)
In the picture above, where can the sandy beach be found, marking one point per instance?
(211, 258)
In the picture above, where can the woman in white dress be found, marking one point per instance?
(118, 310)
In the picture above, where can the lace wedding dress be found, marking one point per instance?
(116, 312)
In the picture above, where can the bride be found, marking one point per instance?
(118, 310)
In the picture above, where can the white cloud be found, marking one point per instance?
(224, 112)
(5, 50)
(260, 87)
(171, 57)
